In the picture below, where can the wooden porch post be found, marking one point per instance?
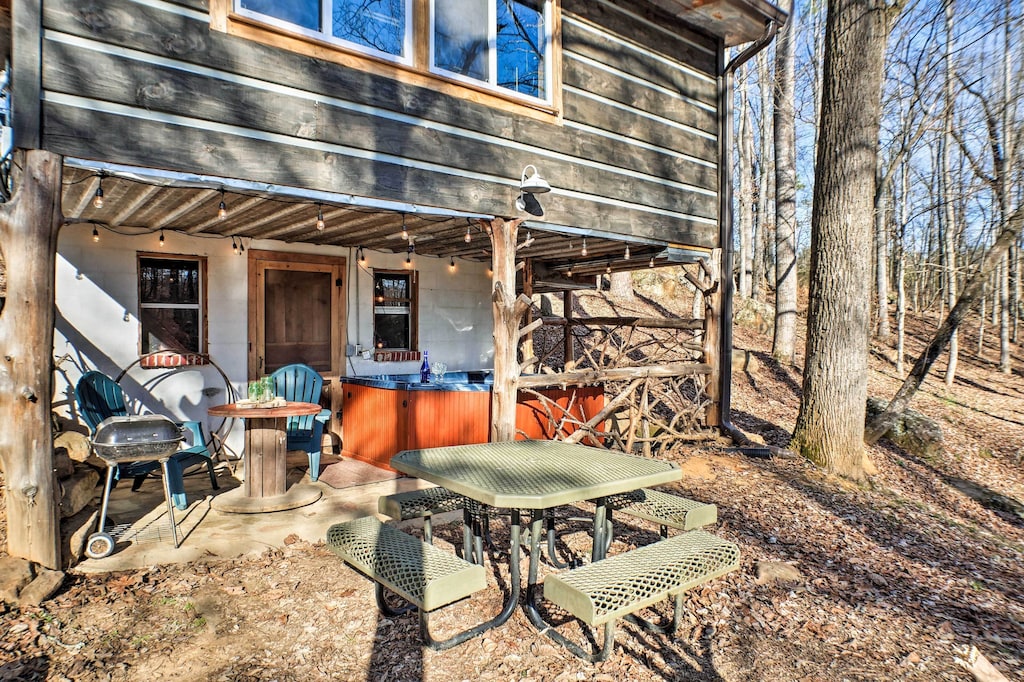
(29, 224)
(713, 338)
(507, 311)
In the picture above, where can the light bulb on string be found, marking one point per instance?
(320, 218)
(241, 246)
(97, 199)
(608, 270)
(161, 237)
(468, 238)
(651, 264)
(362, 256)
(451, 264)
(583, 251)
(95, 234)
(234, 246)
(405, 230)
(568, 273)
(222, 208)
(626, 255)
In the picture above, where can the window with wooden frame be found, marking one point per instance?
(502, 46)
(172, 310)
(394, 310)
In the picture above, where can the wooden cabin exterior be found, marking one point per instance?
(417, 116)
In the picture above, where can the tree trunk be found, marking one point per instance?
(29, 225)
(744, 166)
(968, 299)
(784, 341)
(761, 215)
(507, 312)
(946, 195)
(830, 426)
(881, 242)
(621, 286)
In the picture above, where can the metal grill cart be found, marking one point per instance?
(119, 440)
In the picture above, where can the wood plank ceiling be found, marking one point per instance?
(136, 207)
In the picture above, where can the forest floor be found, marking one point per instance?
(896, 577)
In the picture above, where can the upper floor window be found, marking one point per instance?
(503, 45)
(380, 27)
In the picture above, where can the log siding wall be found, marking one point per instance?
(147, 82)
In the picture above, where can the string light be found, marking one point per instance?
(568, 272)
(451, 264)
(95, 234)
(583, 251)
(626, 255)
(608, 270)
(234, 246)
(405, 231)
(408, 255)
(161, 237)
(362, 256)
(241, 246)
(651, 264)
(97, 199)
(222, 209)
(468, 238)
(320, 217)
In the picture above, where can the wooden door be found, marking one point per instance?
(297, 314)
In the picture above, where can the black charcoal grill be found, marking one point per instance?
(121, 440)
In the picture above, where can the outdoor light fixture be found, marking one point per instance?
(625, 256)
(320, 217)
(222, 209)
(468, 238)
(651, 264)
(405, 230)
(451, 264)
(583, 251)
(95, 234)
(161, 237)
(97, 200)
(362, 256)
(533, 183)
(234, 246)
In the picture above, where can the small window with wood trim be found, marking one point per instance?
(172, 310)
(394, 310)
(502, 46)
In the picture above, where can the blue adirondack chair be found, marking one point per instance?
(98, 397)
(302, 383)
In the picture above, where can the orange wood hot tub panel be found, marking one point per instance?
(378, 423)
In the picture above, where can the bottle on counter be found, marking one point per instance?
(425, 369)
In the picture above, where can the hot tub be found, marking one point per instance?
(387, 413)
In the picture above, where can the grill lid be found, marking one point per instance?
(137, 430)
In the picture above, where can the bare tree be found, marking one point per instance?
(745, 164)
(830, 426)
(784, 341)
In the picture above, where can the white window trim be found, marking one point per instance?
(199, 307)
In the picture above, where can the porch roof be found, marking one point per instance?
(140, 202)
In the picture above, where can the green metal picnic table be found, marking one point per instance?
(533, 476)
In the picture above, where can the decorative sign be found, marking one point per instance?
(396, 355)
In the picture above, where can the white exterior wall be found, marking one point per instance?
(98, 327)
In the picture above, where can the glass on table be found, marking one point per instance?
(437, 370)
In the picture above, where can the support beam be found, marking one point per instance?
(507, 312)
(29, 225)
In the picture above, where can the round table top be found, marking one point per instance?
(244, 410)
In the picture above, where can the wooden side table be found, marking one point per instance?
(265, 487)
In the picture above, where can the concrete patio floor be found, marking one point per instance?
(143, 535)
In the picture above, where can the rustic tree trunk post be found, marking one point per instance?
(527, 341)
(29, 225)
(712, 338)
(507, 312)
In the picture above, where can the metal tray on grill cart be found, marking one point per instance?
(124, 439)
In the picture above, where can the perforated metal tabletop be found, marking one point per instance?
(533, 474)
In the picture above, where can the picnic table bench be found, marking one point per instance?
(620, 585)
